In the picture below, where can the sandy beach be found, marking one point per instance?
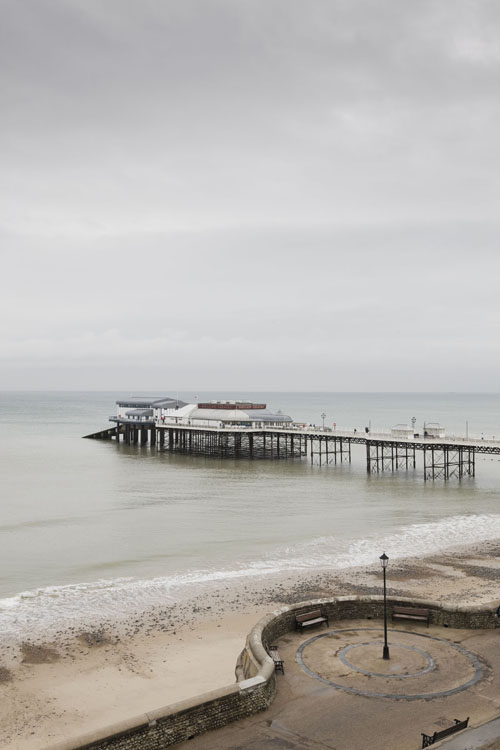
(84, 680)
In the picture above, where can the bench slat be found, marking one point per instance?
(409, 617)
(308, 615)
(314, 617)
(410, 613)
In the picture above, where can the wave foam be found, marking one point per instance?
(45, 611)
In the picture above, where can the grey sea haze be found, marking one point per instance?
(92, 529)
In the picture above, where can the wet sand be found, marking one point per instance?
(86, 679)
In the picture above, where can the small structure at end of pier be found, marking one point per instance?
(434, 430)
(402, 431)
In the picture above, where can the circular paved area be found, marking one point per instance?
(420, 665)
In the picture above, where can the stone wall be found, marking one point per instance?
(181, 721)
(256, 686)
(282, 621)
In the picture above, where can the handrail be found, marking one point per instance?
(358, 435)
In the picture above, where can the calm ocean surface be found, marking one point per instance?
(91, 529)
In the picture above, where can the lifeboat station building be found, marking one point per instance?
(143, 409)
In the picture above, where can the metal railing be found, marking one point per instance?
(372, 434)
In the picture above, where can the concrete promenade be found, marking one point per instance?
(339, 694)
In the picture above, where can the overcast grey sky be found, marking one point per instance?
(250, 194)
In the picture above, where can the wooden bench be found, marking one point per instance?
(278, 661)
(410, 613)
(314, 617)
(430, 739)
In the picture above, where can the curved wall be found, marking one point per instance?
(282, 621)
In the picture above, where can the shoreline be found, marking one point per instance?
(88, 678)
(48, 611)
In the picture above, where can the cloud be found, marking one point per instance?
(188, 180)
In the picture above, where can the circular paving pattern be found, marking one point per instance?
(367, 655)
(421, 666)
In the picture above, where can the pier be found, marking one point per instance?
(240, 429)
(438, 458)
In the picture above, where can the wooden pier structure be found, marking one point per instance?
(442, 458)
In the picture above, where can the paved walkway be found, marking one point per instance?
(341, 695)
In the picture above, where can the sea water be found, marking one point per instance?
(92, 529)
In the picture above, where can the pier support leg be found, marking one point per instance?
(446, 462)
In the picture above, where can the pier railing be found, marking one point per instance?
(357, 435)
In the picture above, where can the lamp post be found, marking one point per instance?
(383, 561)
(323, 417)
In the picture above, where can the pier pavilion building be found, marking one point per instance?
(221, 414)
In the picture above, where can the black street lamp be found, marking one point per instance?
(383, 561)
(323, 416)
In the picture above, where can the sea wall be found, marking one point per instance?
(256, 686)
(181, 721)
(282, 621)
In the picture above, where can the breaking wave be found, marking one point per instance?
(48, 610)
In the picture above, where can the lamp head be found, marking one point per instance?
(384, 560)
